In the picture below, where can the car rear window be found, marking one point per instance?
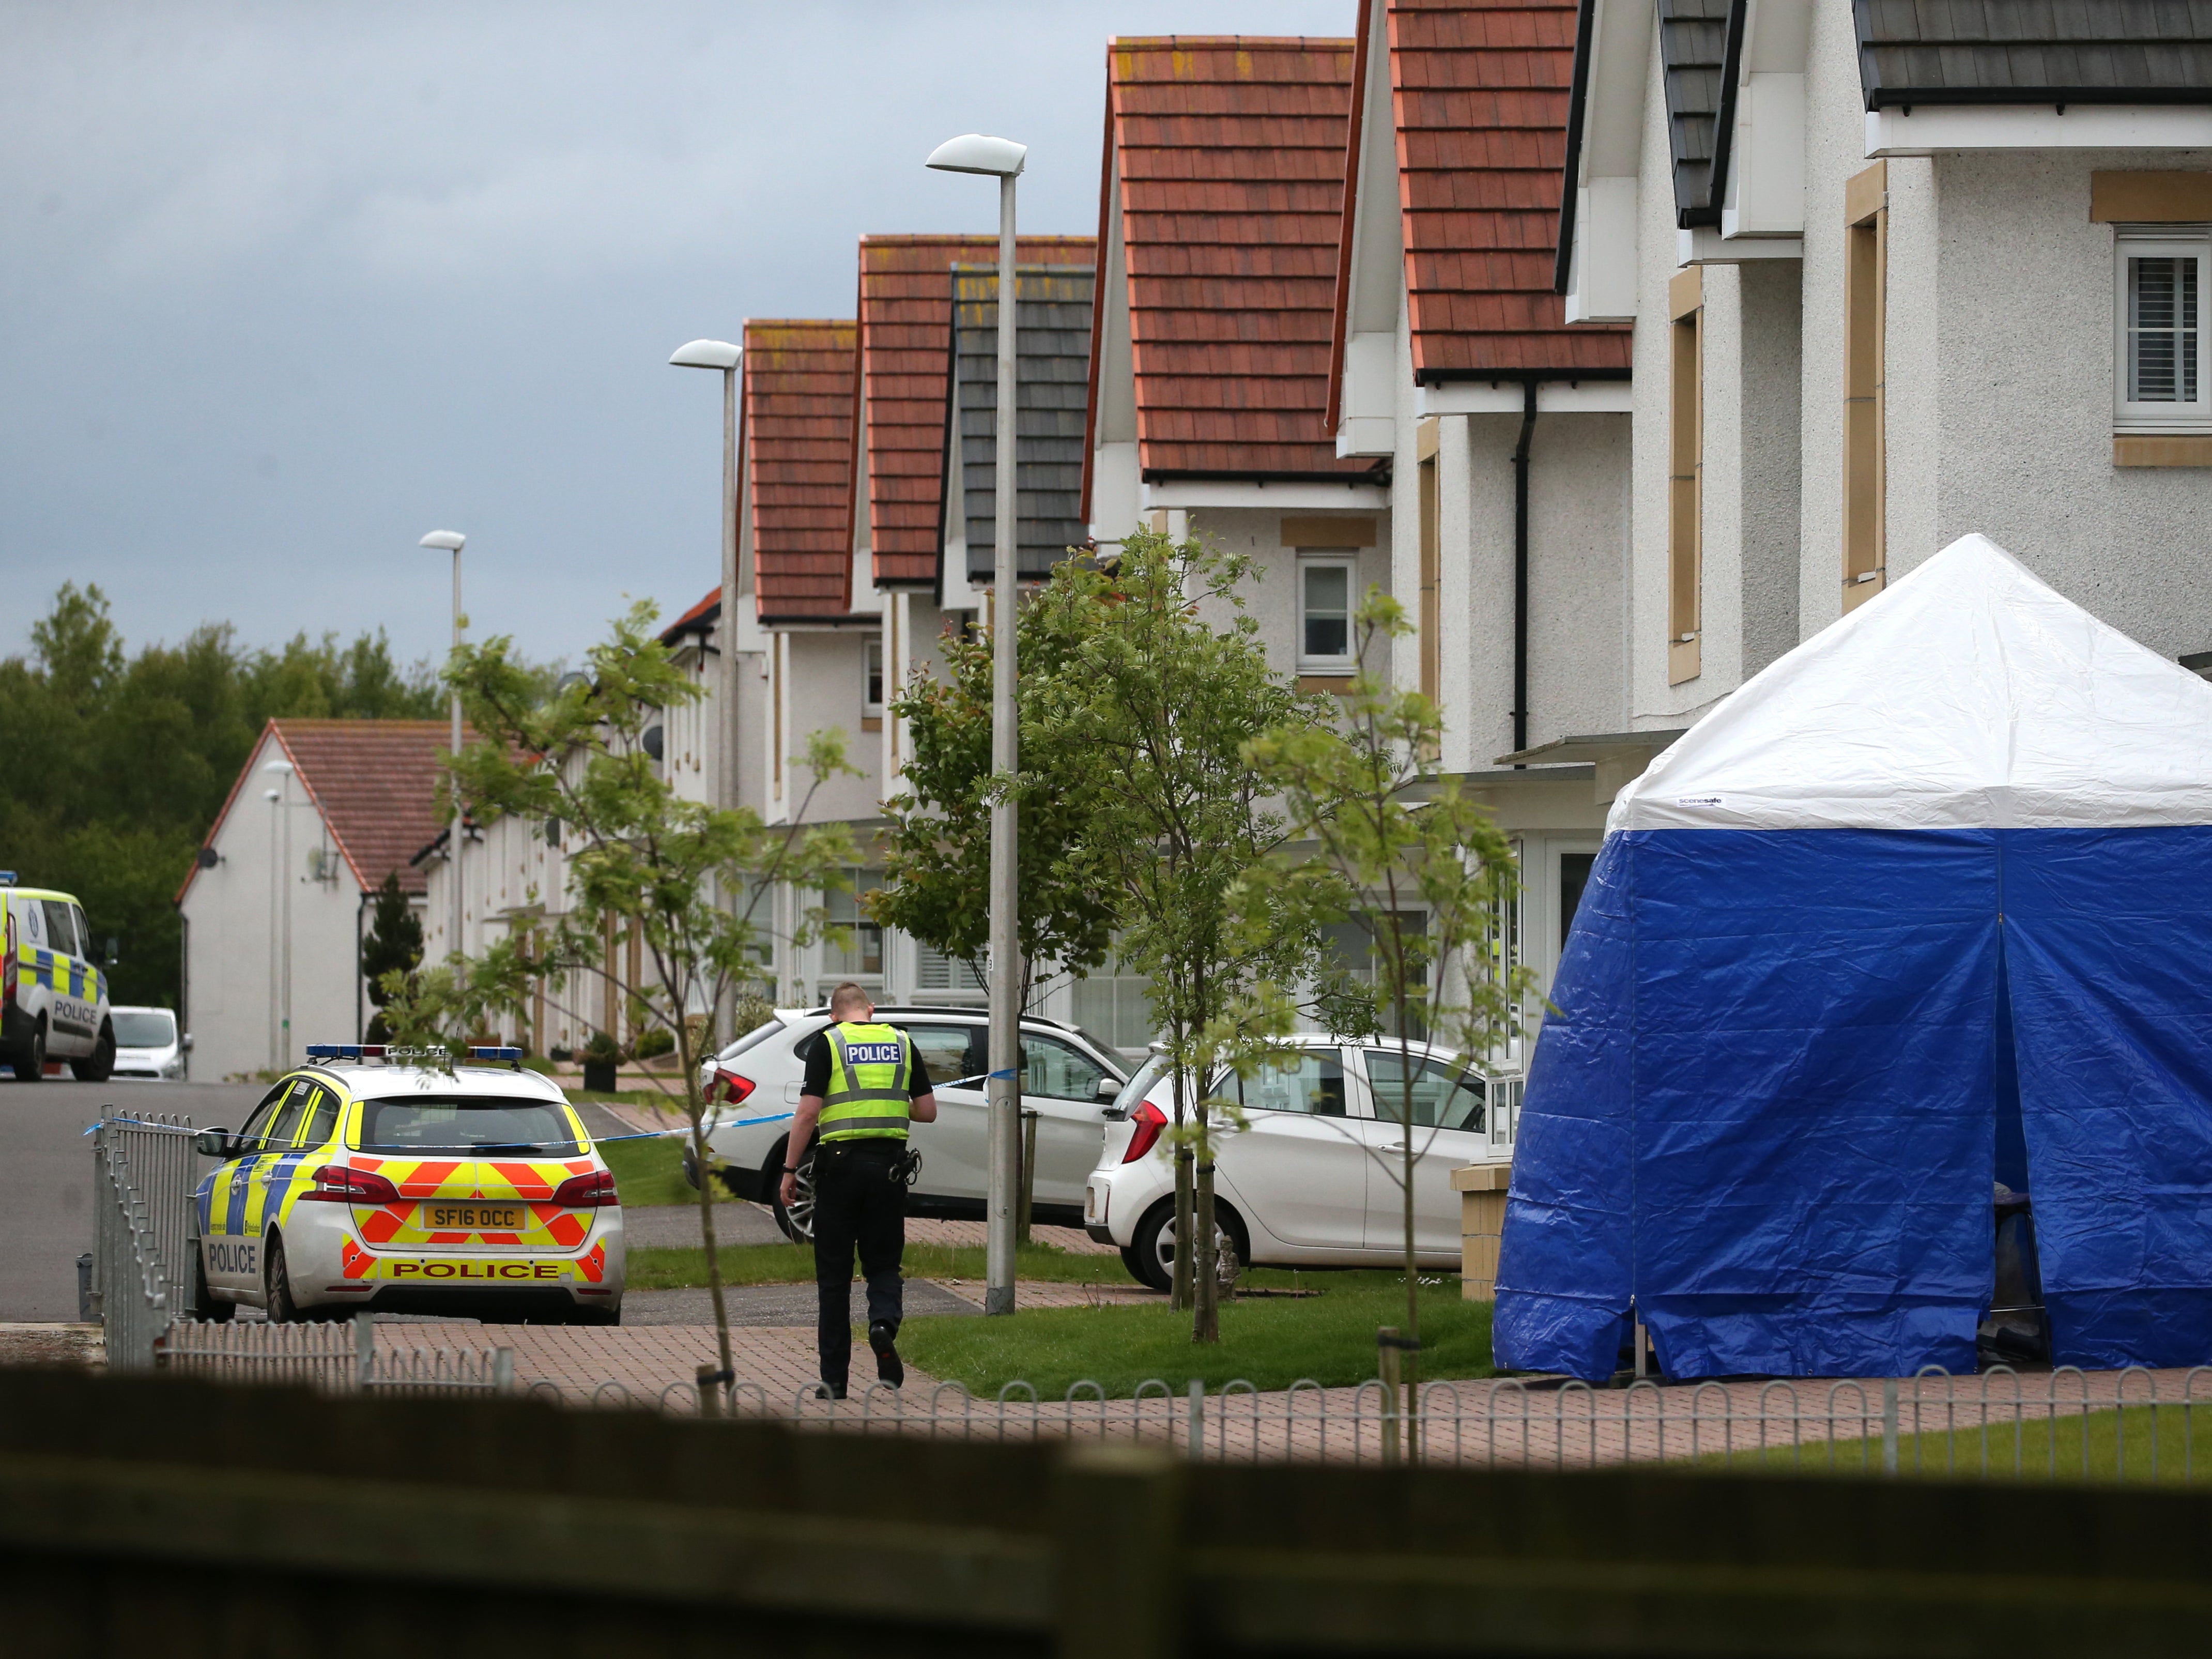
(144, 1028)
(753, 1038)
(465, 1124)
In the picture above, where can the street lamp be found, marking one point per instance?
(280, 868)
(451, 541)
(1001, 158)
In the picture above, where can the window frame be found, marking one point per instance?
(2161, 242)
(873, 660)
(1349, 662)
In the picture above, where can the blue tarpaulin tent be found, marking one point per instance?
(1925, 906)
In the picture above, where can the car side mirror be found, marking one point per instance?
(188, 1043)
(1109, 1091)
(114, 953)
(213, 1143)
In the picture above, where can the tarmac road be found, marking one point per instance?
(46, 1175)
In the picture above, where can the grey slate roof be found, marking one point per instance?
(1699, 45)
(2034, 51)
(1052, 380)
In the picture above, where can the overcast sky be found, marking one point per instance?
(284, 286)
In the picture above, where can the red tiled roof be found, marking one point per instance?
(700, 617)
(1479, 97)
(906, 346)
(1229, 157)
(798, 460)
(375, 784)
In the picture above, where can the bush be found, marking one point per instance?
(657, 1041)
(602, 1050)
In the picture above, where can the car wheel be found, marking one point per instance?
(798, 1221)
(1149, 1256)
(100, 1065)
(204, 1305)
(30, 1058)
(278, 1278)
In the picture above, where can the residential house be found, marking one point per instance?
(1220, 209)
(1895, 273)
(277, 904)
(1502, 432)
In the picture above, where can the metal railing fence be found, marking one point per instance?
(143, 1177)
(2132, 1425)
(337, 1356)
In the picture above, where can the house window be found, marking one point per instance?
(857, 950)
(871, 677)
(1325, 615)
(1866, 259)
(2164, 291)
(1685, 470)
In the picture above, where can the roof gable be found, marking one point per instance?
(374, 782)
(1225, 163)
(906, 342)
(1479, 95)
(1051, 344)
(797, 465)
(2034, 51)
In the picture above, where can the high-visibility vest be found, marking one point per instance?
(867, 1097)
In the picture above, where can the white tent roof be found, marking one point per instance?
(1969, 695)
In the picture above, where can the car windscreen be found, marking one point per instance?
(144, 1028)
(465, 1124)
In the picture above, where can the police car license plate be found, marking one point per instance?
(443, 1217)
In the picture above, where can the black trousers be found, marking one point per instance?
(857, 1205)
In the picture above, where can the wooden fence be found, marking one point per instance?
(143, 1514)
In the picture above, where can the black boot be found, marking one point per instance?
(889, 1367)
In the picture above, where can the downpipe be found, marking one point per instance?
(1520, 567)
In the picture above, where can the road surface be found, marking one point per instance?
(46, 1163)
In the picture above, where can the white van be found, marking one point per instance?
(53, 998)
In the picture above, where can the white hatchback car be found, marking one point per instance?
(1311, 1180)
(1069, 1078)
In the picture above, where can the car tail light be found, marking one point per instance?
(335, 1183)
(1150, 1120)
(591, 1191)
(734, 1089)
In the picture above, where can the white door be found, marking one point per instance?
(1060, 1083)
(1299, 1167)
(952, 1149)
(1452, 1116)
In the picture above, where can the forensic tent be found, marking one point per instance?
(1924, 908)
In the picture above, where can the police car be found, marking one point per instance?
(53, 998)
(390, 1178)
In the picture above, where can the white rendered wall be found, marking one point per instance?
(233, 974)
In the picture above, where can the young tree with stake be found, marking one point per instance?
(1424, 873)
(689, 880)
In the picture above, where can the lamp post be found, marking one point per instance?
(720, 353)
(452, 541)
(1001, 158)
(280, 955)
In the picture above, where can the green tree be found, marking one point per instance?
(937, 856)
(393, 946)
(689, 880)
(1393, 848)
(1164, 685)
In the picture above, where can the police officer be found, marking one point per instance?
(864, 1084)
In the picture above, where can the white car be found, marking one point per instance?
(1069, 1079)
(148, 1043)
(1312, 1178)
(369, 1179)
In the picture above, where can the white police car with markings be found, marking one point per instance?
(53, 996)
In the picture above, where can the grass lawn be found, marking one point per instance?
(794, 1264)
(1270, 1343)
(648, 1172)
(2089, 1447)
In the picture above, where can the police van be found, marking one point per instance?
(53, 997)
